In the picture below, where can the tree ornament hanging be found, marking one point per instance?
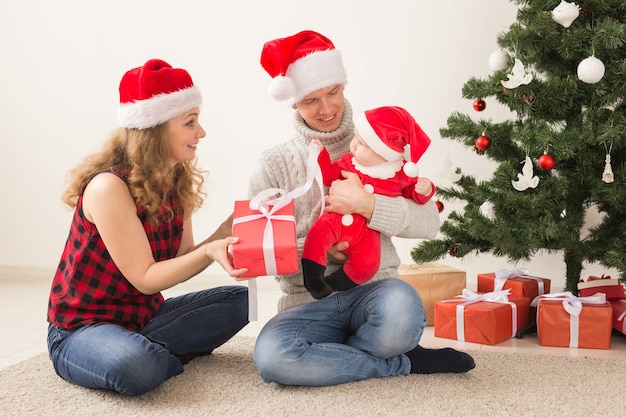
(590, 70)
(439, 205)
(518, 76)
(479, 104)
(499, 60)
(486, 209)
(546, 162)
(447, 172)
(483, 143)
(526, 179)
(607, 175)
(565, 13)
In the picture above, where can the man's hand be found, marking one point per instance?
(348, 196)
(335, 254)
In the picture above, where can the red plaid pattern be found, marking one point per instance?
(89, 288)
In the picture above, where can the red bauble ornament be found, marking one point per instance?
(546, 162)
(479, 104)
(483, 143)
(439, 205)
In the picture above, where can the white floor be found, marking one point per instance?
(24, 297)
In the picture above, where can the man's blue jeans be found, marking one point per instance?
(348, 336)
(111, 357)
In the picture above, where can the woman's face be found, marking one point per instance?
(322, 110)
(183, 134)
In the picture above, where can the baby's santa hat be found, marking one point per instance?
(388, 131)
(301, 64)
(154, 93)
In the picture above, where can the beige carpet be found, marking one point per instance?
(227, 384)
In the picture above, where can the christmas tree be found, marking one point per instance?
(561, 70)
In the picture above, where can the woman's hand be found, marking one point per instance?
(217, 250)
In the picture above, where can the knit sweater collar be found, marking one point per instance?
(344, 132)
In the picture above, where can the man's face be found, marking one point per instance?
(322, 109)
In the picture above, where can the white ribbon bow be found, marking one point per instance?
(471, 297)
(573, 305)
(503, 274)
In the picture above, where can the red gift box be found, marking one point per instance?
(267, 240)
(613, 289)
(578, 322)
(481, 318)
(619, 315)
(518, 281)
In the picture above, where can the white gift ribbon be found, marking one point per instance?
(573, 305)
(503, 274)
(267, 203)
(471, 297)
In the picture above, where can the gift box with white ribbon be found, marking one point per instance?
(519, 281)
(578, 322)
(487, 319)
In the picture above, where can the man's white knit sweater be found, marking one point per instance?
(284, 166)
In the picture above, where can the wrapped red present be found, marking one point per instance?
(267, 239)
(487, 319)
(266, 227)
(519, 281)
(578, 322)
(619, 315)
(613, 288)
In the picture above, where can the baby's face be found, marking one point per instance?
(363, 154)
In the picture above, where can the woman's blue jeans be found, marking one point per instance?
(111, 357)
(348, 336)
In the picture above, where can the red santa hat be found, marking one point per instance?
(154, 93)
(388, 131)
(301, 64)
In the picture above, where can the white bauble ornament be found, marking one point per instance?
(499, 60)
(590, 70)
(565, 13)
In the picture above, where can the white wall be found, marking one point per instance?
(62, 62)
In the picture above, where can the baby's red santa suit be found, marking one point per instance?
(392, 133)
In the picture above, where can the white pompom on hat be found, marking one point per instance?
(154, 93)
(394, 134)
(301, 64)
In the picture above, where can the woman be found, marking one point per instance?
(130, 238)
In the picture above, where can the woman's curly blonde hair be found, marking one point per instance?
(144, 156)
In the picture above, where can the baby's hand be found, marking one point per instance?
(318, 143)
(423, 186)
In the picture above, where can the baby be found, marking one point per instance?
(387, 144)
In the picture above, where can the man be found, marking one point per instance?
(367, 331)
